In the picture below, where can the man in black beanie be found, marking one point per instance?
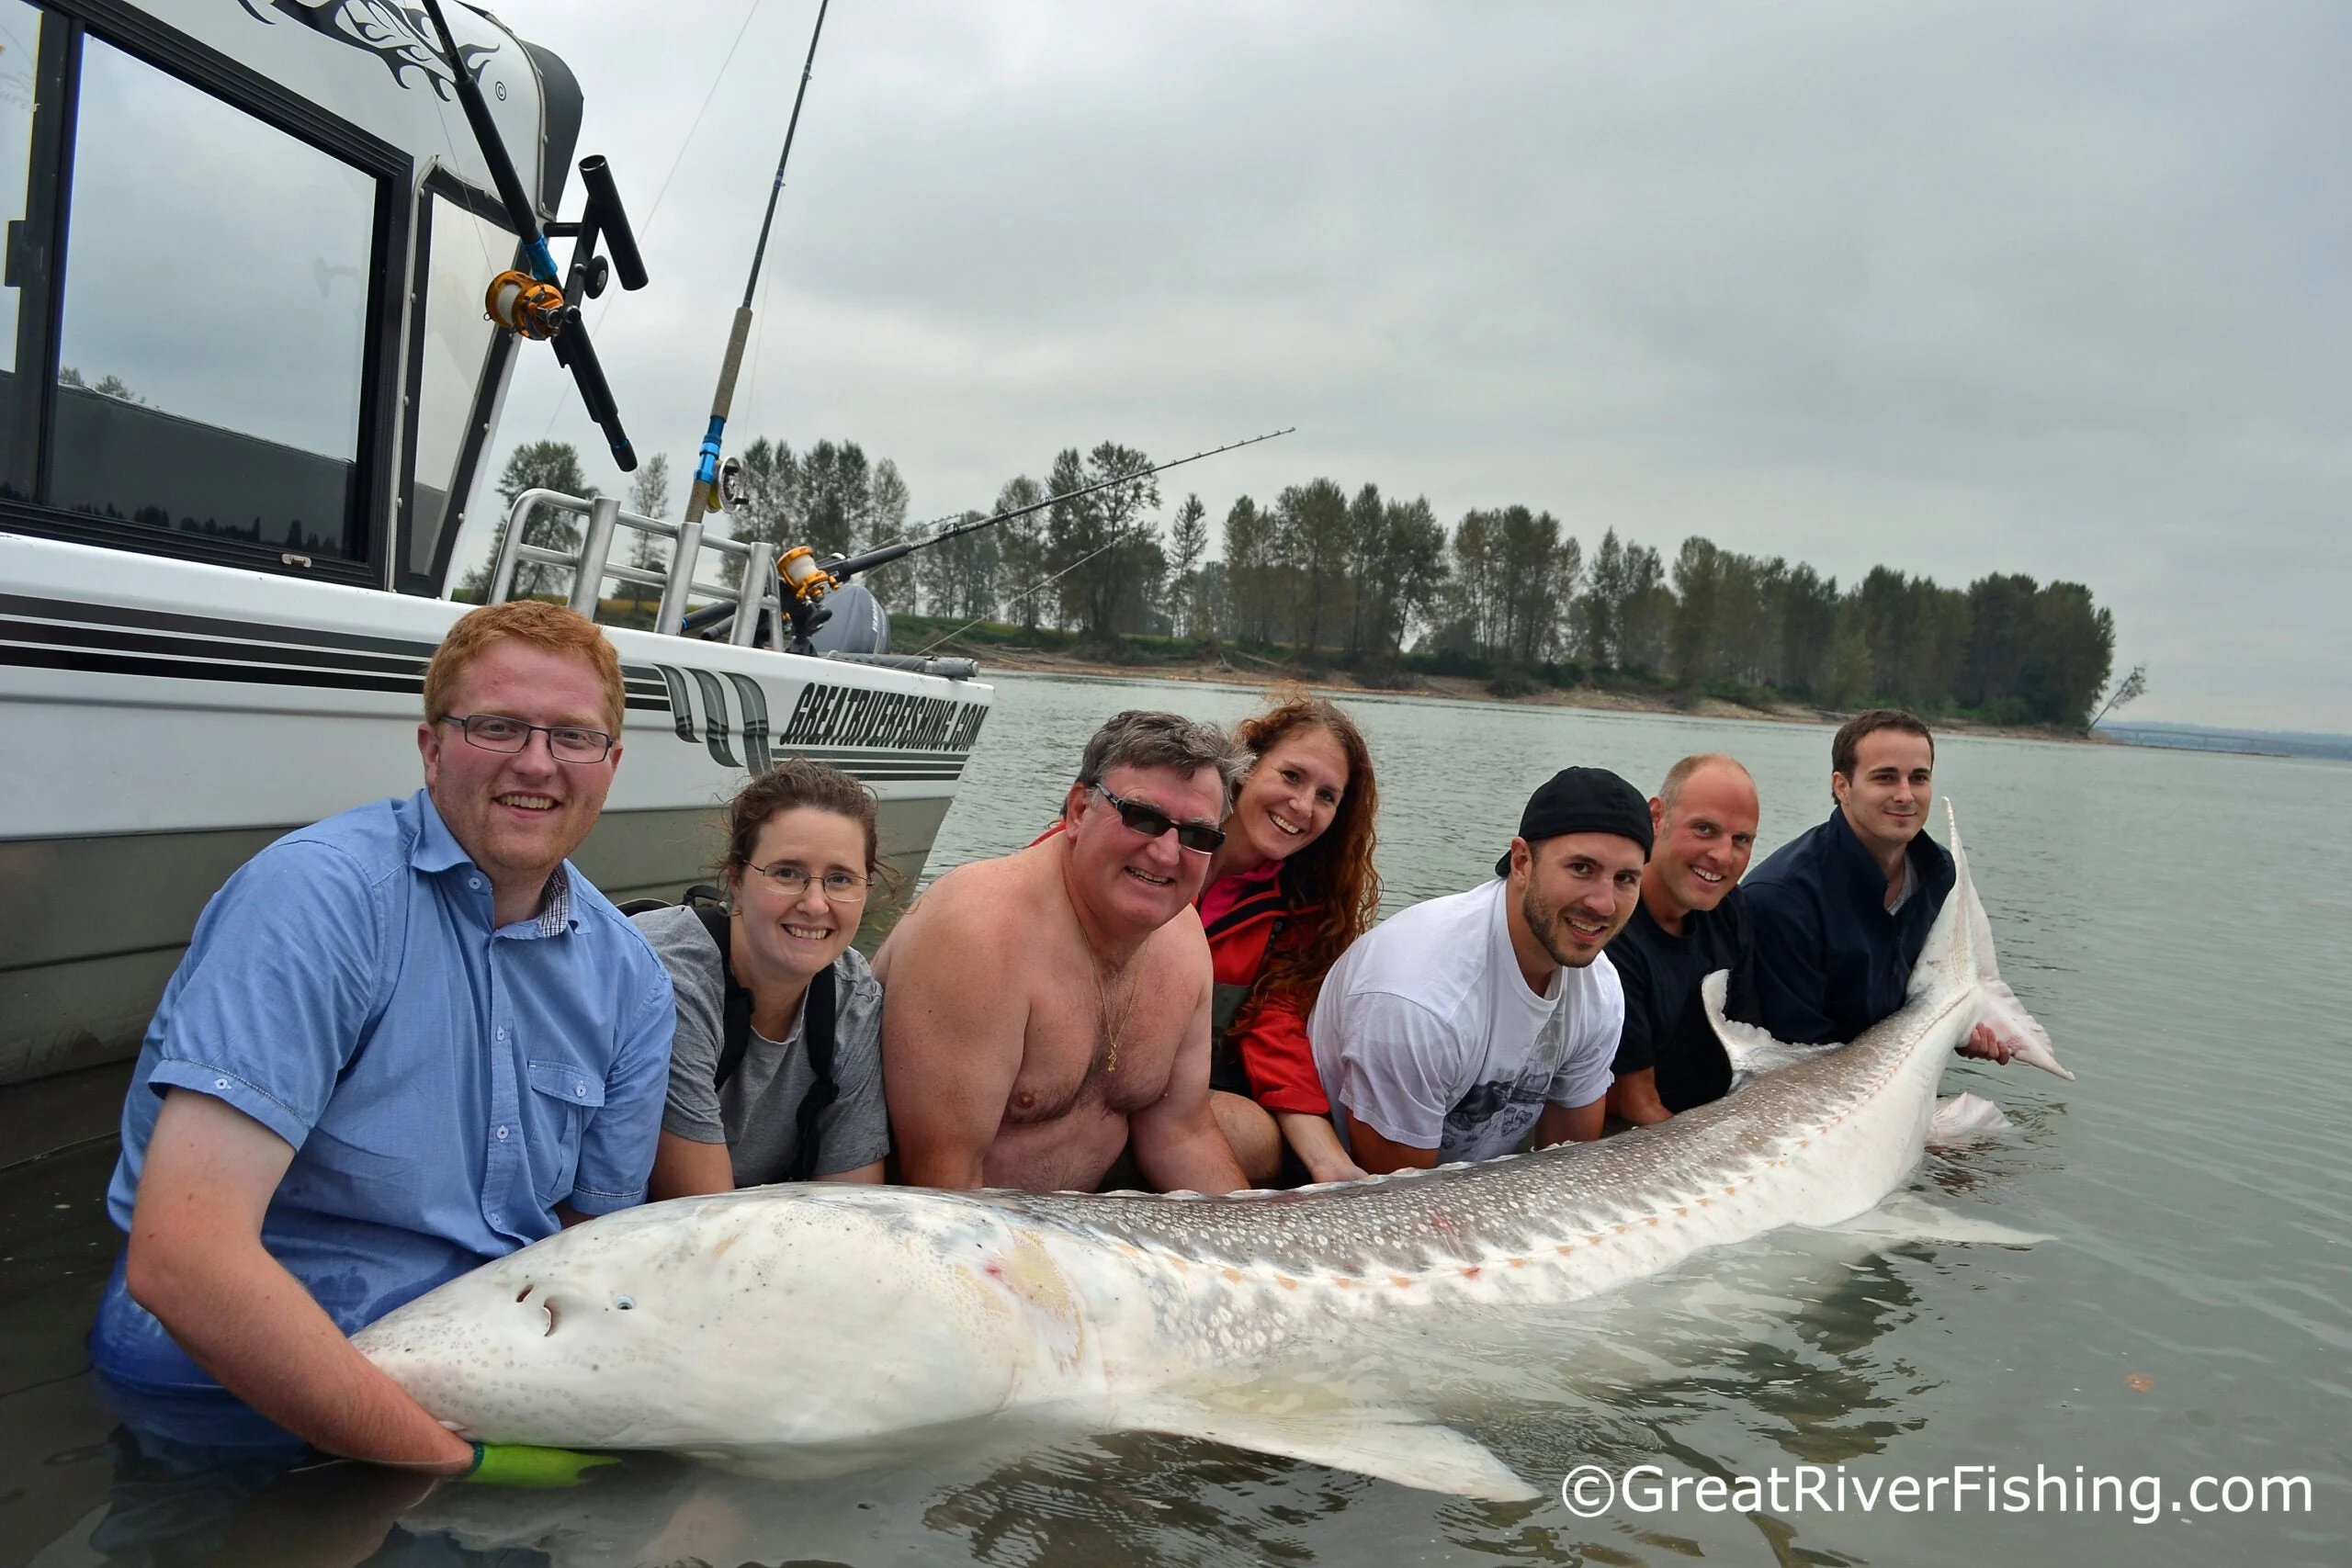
(1448, 1031)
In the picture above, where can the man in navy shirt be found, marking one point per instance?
(403, 1041)
(1842, 910)
(1692, 921)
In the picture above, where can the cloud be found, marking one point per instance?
(1957, 288)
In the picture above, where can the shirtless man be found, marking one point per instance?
(1045, 1012)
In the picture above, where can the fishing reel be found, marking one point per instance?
(725, 491)
(521, 304)
(804, 582)
(804, 577)
(539, 309)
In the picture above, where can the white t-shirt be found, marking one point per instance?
(1427, 1033)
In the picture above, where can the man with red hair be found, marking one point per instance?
(403, 1041)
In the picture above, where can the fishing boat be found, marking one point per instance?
(252, 395)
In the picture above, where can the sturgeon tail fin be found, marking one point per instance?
(2017, 1028)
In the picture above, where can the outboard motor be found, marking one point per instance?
(859, 624)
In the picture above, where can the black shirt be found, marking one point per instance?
(1666, 1023)
(1831, 959)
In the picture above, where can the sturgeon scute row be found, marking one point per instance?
(1533, 1215)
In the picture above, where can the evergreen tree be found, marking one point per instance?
(1366, 542)
(1250, 567)
(1021, 554)
(837, 492)
(1645, 611)
(1188, 541)
(535, 464)
(1103, 546)
(2074, 654)
(959, 578)
(1697, 578)
(1406, 579)
(1312, 520)
(1599, 632)
(882, 520)
(773, 509)
(648, 496)
(1808, 627)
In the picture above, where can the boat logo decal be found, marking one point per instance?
(398, 35)
(899, 721)
(718, 727)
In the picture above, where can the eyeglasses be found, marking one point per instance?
(1150, 822)
(792, 881)
(566, 743)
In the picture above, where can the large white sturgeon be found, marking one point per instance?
(841, 1317)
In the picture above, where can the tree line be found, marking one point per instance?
(1372, 583)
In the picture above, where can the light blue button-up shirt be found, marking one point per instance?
(445, 1083)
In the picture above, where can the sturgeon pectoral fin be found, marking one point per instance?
(1906, 1218)
(1390, 1444)
(1965, 1118)
(1751, 1050)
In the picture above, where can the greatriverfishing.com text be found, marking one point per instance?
(1590, 1490)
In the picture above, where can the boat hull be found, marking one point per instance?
(161, 721)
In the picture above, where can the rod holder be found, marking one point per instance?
(588, 581)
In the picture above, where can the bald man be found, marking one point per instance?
(1692, 921)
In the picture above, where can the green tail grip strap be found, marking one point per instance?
(520, 1464)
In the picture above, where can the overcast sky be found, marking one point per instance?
(2039, 287)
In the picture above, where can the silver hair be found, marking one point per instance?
(1142, 737)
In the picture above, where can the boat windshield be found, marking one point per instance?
(229, 404)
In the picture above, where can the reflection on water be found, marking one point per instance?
(2193, 1317)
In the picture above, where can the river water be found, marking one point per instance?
(2177, 919)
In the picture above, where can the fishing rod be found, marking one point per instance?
(532, 304)
(703, 495)
(803, 580)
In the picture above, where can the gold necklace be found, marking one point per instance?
(1103, 1007)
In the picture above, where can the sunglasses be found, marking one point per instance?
(1150, 822)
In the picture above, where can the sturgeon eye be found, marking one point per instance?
(622, 1304)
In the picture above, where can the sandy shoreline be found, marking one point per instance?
(1241, 669)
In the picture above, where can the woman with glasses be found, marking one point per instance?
(775, 1071)
(1289, 890)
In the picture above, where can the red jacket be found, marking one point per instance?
(1272, 1041)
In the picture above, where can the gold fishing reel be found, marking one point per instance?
(523, 305)
(807, 580)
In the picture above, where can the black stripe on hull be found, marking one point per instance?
(243, 670)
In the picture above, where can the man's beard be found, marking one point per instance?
(1543, 918)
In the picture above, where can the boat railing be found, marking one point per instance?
(592, 565)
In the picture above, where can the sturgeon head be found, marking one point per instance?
(737, 1321)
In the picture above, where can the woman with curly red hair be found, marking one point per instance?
(1290, 889)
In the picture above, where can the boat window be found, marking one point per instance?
(19, 45)
(464, 252)
(215, 315)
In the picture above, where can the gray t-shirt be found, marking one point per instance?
(756, 1115)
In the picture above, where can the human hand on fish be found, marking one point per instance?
(1985, 1045)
